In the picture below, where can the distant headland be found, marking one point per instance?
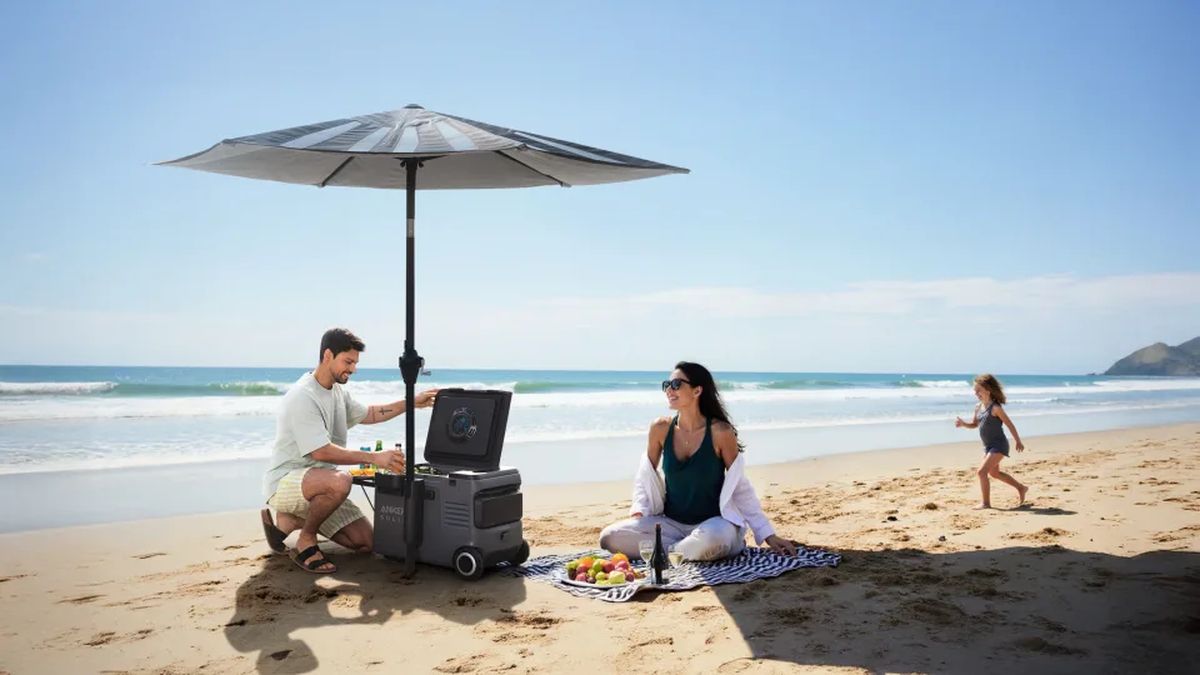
(1161, 359)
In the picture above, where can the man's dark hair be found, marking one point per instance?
(340, 340)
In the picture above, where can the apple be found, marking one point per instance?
(616, 578)
(572, 568)
(581, 577)
(608, 565)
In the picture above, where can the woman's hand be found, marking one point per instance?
(1020, 446)
(959, 422)
(780, 545)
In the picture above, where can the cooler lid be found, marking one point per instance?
(466, 430)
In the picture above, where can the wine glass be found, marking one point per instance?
(675, 556)
(646, 549)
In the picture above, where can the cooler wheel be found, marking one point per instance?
(468, 563)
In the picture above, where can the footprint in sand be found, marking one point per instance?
(791, 616)
(1186, 532)
(81, 600)
(745, 593)
(467, 601)
(1041, 646)
(144, 556)
(233, 546)
(100, 639)
(107, 637)
(519, 627)
(739, 665)
(472, 663)
(654, 650)
(1045, 535)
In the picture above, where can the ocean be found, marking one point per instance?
(63, 418)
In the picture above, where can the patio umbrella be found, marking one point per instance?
(416, 149)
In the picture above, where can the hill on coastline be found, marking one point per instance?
(1161, 359)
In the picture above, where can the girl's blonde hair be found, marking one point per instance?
(993, 387)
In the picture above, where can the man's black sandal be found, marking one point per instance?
(275, 536)
(314, 562)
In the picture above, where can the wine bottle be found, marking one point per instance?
(658, 561)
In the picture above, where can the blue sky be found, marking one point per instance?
(890, 186)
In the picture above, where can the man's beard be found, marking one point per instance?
(343, 378)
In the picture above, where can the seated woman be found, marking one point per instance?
(707, 502)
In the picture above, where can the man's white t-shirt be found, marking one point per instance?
(310, 417)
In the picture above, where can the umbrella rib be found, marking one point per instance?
(540, 173)
(335, 172)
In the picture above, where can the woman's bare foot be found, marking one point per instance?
(982, 507)
(1021, 493)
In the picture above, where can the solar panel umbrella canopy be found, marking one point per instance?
(416, 149)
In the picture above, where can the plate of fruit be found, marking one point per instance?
(591, 571)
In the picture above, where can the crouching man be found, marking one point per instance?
(303, 484)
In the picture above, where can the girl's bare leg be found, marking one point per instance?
(985, 486)
(996, 473)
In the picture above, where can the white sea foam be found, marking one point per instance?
(54, 388)
(944, 384)
(127, 408)
(64, 403)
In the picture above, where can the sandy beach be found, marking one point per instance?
(1100, 573)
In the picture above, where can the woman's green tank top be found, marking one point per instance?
(693, 485)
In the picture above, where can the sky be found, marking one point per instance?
(874, 187)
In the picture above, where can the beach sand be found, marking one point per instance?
(1101, 573)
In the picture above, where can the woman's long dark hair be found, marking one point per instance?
(711, 405)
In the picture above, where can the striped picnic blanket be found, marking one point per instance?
(751, 564)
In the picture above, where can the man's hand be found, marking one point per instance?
(425, 398)
(780, 545)
(389, 460)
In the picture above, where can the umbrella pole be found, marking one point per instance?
(410, 369)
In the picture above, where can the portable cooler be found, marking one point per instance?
(468, 514)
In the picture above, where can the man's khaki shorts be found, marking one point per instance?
(289, 498)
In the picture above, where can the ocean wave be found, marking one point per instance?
(1149, 384)
(911, 418)
(99, 408)
(141, 389)
(933, 384)
(784, 385)
(130, 461)
(101, 400)
(539, 386)
(55, 388)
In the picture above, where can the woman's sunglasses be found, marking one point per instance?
(674, 384)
